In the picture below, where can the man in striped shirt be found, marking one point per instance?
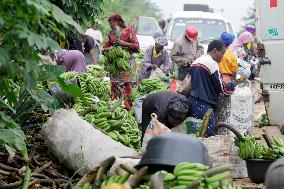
(207, 84)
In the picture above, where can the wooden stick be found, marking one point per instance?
(2, 172)
(8, 168)
(40, 175)
(89, 177)
(11, 185)
(105, 165)
(41, 169)
(46, 181)
(128, 168)
(205, 122)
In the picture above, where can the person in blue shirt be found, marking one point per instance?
(207, 84)
(155, 56)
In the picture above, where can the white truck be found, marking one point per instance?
(270, 32)
(210, 26)
(145, 28)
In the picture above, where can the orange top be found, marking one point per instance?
(228, 64)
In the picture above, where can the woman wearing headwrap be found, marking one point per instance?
(155, 56)
(125, 37)
(228, 65)
(239, 46)
(228, 69)
(72, 60)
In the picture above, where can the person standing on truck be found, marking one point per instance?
(185, 50)
(228, 65)
(155, 56)
(125, 37)
(207, 84)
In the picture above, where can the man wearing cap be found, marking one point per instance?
(185, 50)
(228, 65)
(155, 56)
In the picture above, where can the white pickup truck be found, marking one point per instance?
(270, 31)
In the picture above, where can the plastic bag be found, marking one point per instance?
(157, 74)
(154, 128)
(189, 126)
(77, 144)
(185, 87)
(138, 108)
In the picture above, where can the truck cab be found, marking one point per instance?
(210, 26)
(145, 28)
(270, 32)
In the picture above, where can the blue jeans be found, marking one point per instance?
(182, 72)
(198, 110)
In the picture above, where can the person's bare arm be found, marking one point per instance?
(93, 56)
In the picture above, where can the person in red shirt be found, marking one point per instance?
(125, 37)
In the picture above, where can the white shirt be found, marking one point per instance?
(95, 34)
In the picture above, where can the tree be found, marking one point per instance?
(128, 9)
(81, 11)
(27, 27)
(250, 18)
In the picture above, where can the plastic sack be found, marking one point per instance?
(154, 128)
(244, 70)
(185, 87)
(138, 108)
(219, 149)
(190, 125)
(77, 144)
(157, 74)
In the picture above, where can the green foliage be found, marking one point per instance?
(27, 28)
(81, 11)
(250, 18)
(128, 9)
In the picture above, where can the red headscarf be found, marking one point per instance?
(118, 19)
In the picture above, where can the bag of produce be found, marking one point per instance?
(157, 73)
(154, 128)
(77, 144)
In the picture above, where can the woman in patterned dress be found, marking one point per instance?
(125, 37)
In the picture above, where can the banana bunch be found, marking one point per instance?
(97, 71)
(85, 186)
(135, 93)
(168, 177)
(276, 151)
(69, 75)
(82, 104)
(95, 86)
(186, 173)
(91, 82)
(116, 122)
(42, 85)
(114, 179)
(116, 60)
(149, 86)
(249, 148)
